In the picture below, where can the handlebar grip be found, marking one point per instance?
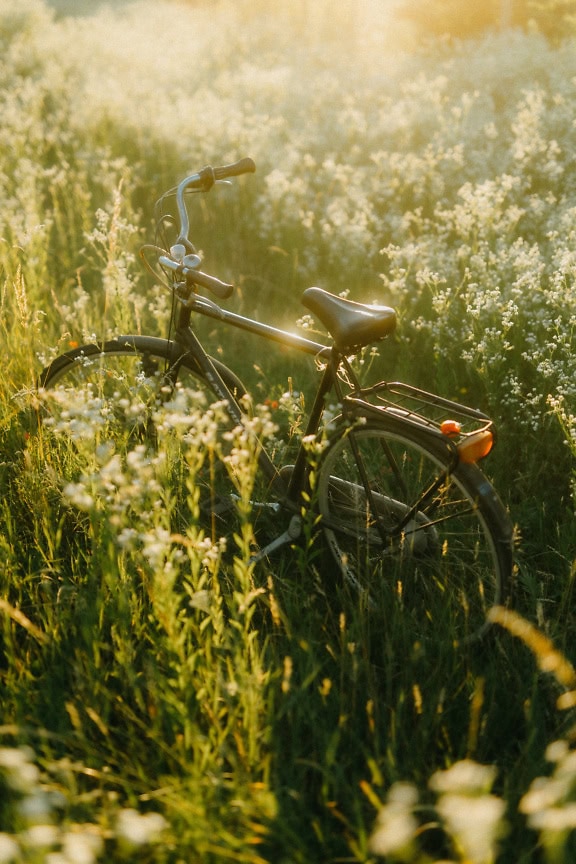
(243, 166)
(223, 290)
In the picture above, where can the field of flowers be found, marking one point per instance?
(162, 700)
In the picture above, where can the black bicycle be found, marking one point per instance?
(393, 483)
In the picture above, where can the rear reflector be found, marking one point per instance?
(475, 446)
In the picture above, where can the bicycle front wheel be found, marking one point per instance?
(402, 525)
(144, 392)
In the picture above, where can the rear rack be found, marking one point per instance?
(452, 419)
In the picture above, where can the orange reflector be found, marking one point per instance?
(476, 446)
(451, 428)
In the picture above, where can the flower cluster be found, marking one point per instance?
(472, 818)
(550, 804)
(40, 808)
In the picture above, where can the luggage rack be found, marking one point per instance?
(425, 409)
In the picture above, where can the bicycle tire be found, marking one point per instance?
(436, 539)
(127, 388)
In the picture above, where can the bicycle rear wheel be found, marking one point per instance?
(144, 392)
(398, 520)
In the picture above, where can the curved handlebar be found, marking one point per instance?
(185, 265)
(204, 180)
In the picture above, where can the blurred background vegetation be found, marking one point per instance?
(555, 19)
(421, 154)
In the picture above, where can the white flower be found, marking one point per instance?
(56, 858)
(82, 847)
(232, 688)
(21, 773)
(14, 758)
(78, 495)
(137, 829)
(127, 538)
(36, 807)
(41, 836)
(9, 849)
(465, 777)
(474, 823)
(554, 819)
(157, 545)
(396, 824)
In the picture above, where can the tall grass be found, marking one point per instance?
(162, 699)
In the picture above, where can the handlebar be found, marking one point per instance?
(203, 181)
(185, 265)
(223, 290)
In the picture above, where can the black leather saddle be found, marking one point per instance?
(351, 325)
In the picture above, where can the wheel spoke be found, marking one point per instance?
(126, 398)
(394, 516)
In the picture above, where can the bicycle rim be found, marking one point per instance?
(412, 535)
(121, 396)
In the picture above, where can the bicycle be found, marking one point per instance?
(396, 489)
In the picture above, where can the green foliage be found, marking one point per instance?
(147, 672)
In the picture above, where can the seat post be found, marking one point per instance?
(296, 484)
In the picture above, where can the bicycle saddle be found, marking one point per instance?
(351, 325)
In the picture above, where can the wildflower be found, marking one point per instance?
(465, 777)
(396, 824)
(9, 849)
(82, 847)
(545, 793)
(211, 552)
(40, 836)
(137, 829)
(35, 808)
(557, 751)
(127, 538)
(78, 495)
(232, 688)
(474, 823)
(554, 820)
(17, 766)
(473, 817)
(157, 545)
(548, 804)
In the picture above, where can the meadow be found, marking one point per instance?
(161, 699)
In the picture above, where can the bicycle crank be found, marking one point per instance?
(292, 533)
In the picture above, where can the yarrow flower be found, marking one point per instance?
(472, 817)
(396, 825)
(138, 829)
(549, 803)
(9, 849)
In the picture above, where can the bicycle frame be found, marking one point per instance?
(188, 341)
(185, 295)
(186, 337)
